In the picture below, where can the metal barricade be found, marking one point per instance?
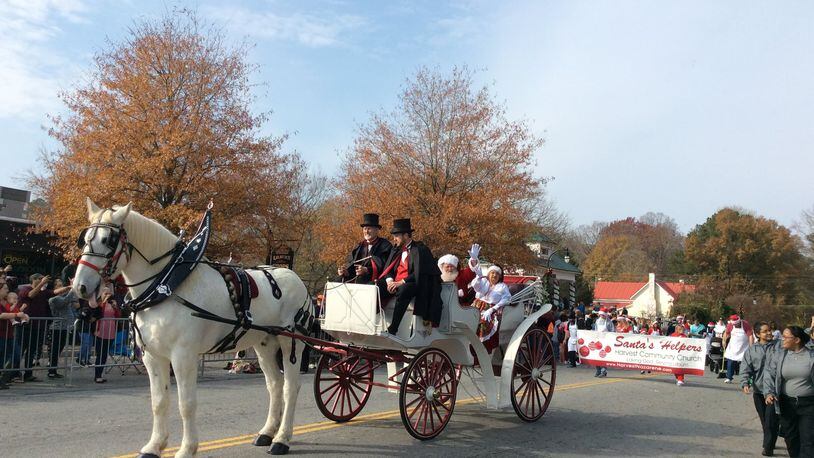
(61, 347)
(56, 348)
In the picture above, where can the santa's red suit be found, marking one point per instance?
(465, 292)
(462, 278)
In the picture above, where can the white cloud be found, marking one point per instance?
(307, 29)
(31, 70)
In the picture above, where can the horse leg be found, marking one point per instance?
(185, 365)
(266, 355)
(291, 388)
(158, 369)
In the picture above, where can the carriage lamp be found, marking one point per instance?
(567, 257)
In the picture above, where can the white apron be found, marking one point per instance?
(736, 345)
(572, 340)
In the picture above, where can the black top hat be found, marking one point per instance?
(401, 226)
(371, 219)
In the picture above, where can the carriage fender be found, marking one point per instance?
(489, 379)
(511, 353)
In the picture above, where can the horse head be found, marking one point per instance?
(105, 250)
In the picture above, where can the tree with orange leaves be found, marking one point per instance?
(164, 121)
(448, 158)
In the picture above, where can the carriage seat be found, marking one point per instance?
(453, 312)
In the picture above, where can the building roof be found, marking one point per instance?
(541, 238)
(558, 263)
(676, 288)
(624, 291)
(619, 290)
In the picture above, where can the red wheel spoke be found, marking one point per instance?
(444, 406)
(543, 391)
(337, 386)
(525, 382)
(417, 398)
(430, 408)
(525, 392)
(333, 407)
(326, 379)
(353, 392)
(422, 400)
(359, 387)
(420, 409)
(427, 417)
(362, 371)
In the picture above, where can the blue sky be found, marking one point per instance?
(680, 107)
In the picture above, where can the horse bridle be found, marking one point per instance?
(116, 242)
(119, 245)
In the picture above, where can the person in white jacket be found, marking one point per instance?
(491, 295)
(603, 324)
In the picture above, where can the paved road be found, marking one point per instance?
(623, 415)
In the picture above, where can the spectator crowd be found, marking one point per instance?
(776, 364)
(41, 316)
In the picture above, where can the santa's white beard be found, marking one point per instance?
(448, 276)
(601, 323)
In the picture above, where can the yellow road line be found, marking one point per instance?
(325, 425)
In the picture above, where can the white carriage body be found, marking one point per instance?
(352, 315)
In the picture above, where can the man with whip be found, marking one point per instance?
(366, 261)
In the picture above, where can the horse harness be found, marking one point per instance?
(184, 257)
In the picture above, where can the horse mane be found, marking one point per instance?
(147, 234)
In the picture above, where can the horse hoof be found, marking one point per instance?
(148, 455)
(262, 440)
(278, 448)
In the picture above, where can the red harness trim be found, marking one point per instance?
(86, 263)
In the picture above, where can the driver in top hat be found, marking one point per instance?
(367, 258)
(411, 272)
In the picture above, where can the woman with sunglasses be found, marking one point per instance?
(789, 386)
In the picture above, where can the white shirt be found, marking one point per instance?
(406, 252)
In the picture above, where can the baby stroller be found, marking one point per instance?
(715, 355)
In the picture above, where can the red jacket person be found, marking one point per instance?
(411, 273)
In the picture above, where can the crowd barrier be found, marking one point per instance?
(43, 346)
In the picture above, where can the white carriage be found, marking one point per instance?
(425, 364)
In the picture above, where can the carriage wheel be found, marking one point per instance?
(342, 386)
(533, 375)
(427, 395)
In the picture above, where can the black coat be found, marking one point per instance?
(379, 250)
(422, 270)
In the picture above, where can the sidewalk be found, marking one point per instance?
(82, 379)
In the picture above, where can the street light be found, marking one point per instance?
(566, 258)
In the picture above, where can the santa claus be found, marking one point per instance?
(448, 264)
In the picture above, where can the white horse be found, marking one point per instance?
(170, 335)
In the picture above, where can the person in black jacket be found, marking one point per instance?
(411, 272)
(373, 249)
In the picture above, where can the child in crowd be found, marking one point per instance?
(679, 332)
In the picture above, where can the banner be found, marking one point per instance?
(673, 355)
